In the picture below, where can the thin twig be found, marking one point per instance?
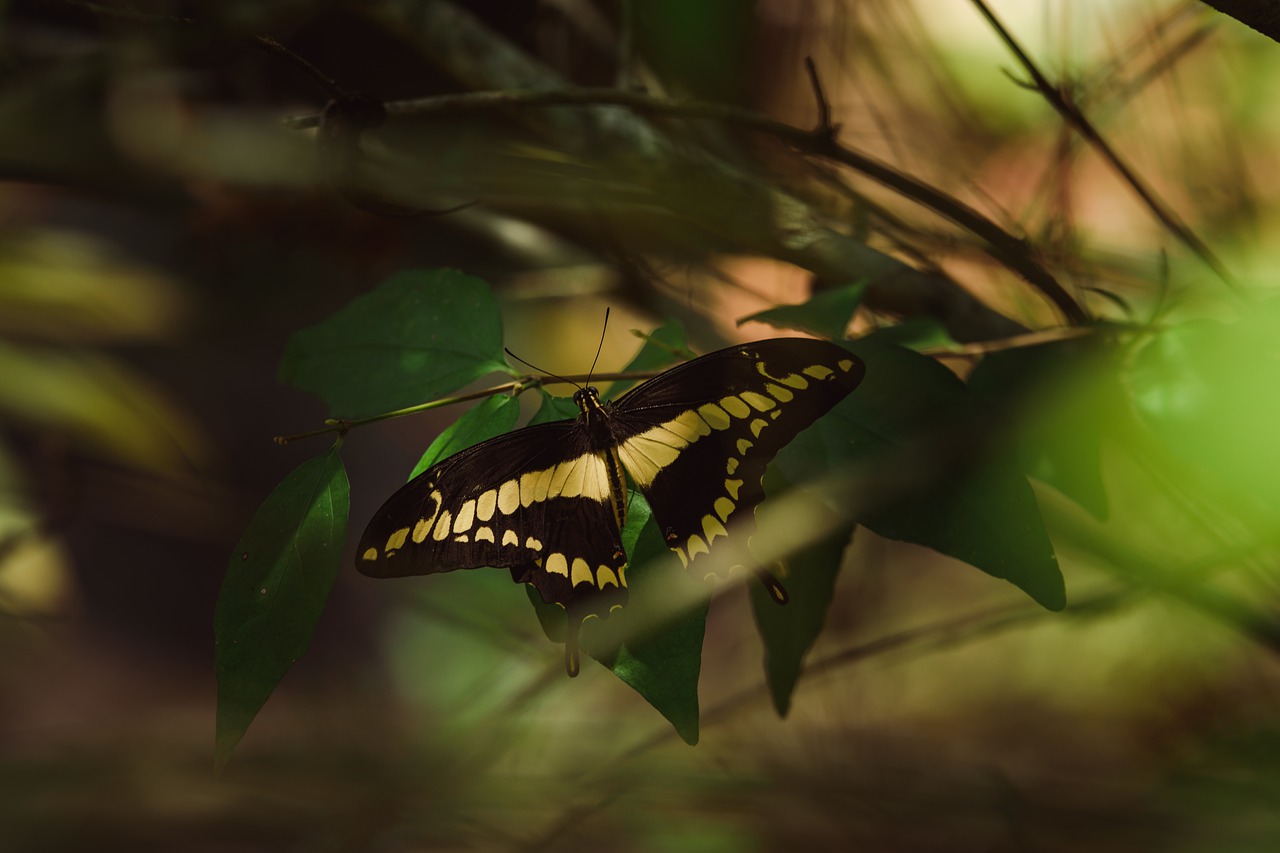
(1077, 119)
(343, 425)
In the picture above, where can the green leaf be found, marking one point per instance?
(924, 467)
(554, 408)
(1058, 399)
(417, 336)
(275, 588)
(663, 347)
(826, 314)
(654, 644)
(788, 632)
(1208, 392)
(495, 416)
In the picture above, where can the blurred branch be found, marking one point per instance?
(1075, 117)
(745, 212)
(1260, 15)
(1012, 251)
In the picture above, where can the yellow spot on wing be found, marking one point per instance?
(370, 554)
(605, 575)
(466, 516)
(646, 454)
(757, 426)
(533, 544)
(716, 417)
(396, 540)
(791, 380)
(711, 528)
(557, 564)
(781, 394)
(508, 497)
(422, 528)
(845, 364)
(581, 572)
(622, 576)
(724, 508)
(684, 561)
(696, 545)
(484, 534)
(463, 538)
(486, 504)
(442, 526)
(743, 446)
(510, 538)
(731, 465)
(759, 402)
(732, 486)
(735, 406)
(818, 371)
(689, 426)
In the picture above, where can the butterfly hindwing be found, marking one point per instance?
(537, 501)
(697, 439)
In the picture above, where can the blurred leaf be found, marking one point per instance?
(1057, 399)
(663, 347)
(654, 648)
(554, 408)
(95, 402)
(698, 49)
(275, 589)
(417, 336)
(71, 287)
(789, 631)
(918, 333)
(923, 471)
(1209, 391)
(495, 416)
(826, 314)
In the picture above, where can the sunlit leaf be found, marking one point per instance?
(923, 467)
(1208, 390)
(275, 589)
(918, 333)
(493, 417)
(826, 314)
(417, 336)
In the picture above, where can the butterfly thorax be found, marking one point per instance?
(594, 415)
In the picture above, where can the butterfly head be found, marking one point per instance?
(587, 398)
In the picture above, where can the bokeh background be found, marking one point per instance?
(163, 233)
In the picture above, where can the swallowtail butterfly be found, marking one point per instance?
(549, 501)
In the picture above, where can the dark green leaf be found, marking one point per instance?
(1058, 400)
(918, 334)
(554, 408)
(417, 336)
(653, 646)
(789, 631)
(826, 314)
(662, 348)
(924, 466)
(275, 588)
(495, 416)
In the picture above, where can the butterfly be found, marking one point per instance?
(549, 501)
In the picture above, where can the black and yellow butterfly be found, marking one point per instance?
(549, 501)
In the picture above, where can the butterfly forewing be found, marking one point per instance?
(697, 438)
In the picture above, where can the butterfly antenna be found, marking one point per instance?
(537, 369)
(600, 346)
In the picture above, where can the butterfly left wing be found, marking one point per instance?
(537, 501)
(697, 438)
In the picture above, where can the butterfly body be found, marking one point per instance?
(549, 501)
